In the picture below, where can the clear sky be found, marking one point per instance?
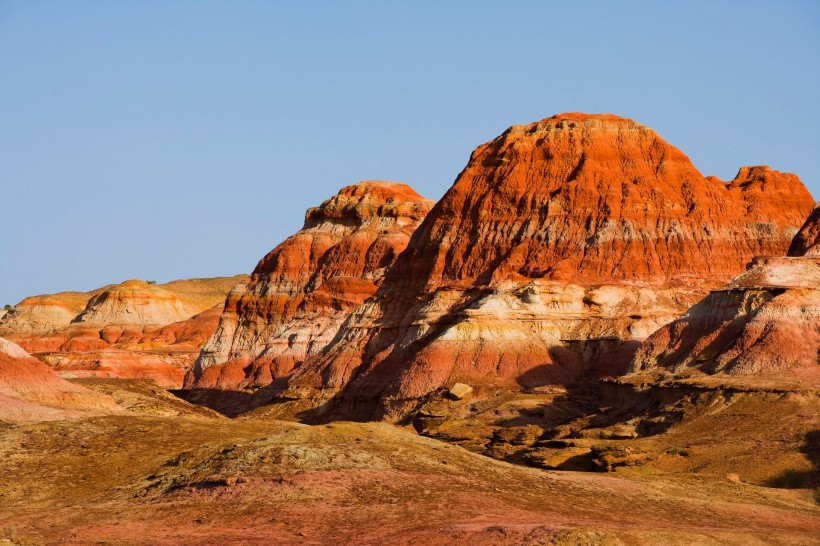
(170, 139)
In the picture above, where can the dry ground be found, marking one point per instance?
(165, 472)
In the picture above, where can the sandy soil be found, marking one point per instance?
(165, 472)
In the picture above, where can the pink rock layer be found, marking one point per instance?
(31, 391)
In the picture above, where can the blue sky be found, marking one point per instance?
(165, 140)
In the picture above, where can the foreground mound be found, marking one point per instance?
(31, 391)
(302, 291)
(560, 246)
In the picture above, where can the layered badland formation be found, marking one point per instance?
(571, 249)
(134, 329)
(560, 246)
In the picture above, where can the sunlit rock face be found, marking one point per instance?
(807, 240)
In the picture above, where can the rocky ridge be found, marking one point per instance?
(807, 240)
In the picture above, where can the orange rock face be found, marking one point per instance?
(302, 291)
(130, 330)
(30, 390)
(762, 327)
(560, 245)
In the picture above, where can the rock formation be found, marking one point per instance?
(302, 291)
(559, 246)
(37, 315)
(134, 302)
(763, 325)
(134, 329)
(30, 390)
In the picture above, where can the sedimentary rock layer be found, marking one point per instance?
(807, 240)
(301, 292)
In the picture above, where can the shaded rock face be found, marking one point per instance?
(30, 390)
(763, 324)
(560, 245)
(131, 330)
(807, 240)
(301, 292)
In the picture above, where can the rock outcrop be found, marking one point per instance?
(303, 290)
(30, 390)
(560, 246)
(763, 326)
(135, 329)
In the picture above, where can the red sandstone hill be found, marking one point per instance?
(300, 293)
(130, 330)
(763, 326)
(560, 241)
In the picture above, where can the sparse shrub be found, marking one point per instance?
(677, 451)
(8, 307)
(152, 282)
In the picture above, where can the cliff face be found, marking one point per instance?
(301, 292)
(763, 325)
(561, 244)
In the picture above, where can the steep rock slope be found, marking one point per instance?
(561, 244)
(30, 390)
(302, 291)
(763, 325)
